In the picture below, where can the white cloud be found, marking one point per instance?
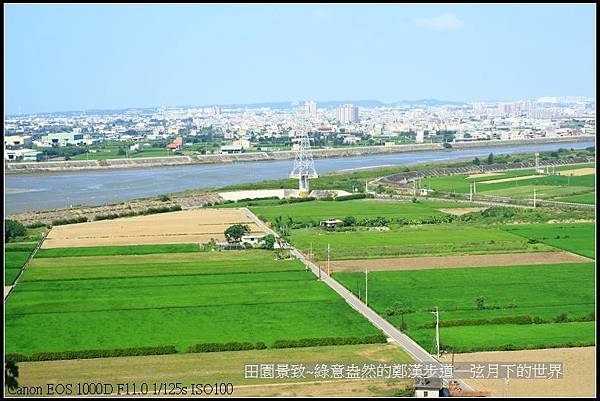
(440, 23)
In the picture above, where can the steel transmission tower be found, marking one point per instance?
(304, 166)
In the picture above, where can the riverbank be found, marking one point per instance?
(198, 195)
(149, 162)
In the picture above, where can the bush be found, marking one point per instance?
(315, 342)
(103, 353)
(73, 220)
(13, 229)
(353, 196)
(219, 347)
(164, 198)
(16, 357)
(37, 224)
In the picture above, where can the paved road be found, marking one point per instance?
(411, 347)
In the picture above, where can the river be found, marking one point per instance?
(36, 192)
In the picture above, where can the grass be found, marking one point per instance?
(534, 336)
(555, 187)
(163, 265)
(573, 237)
(215, 367)
(543, 291)
(439, 239)
(15, 259)
(65, 304)
(20, 246)
(588, 198)
(16, 255)
(116, 250)
(360, 209)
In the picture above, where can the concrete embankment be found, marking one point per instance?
(37, 167)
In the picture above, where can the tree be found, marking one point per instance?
(12, 229)
(11, 372)
(480, 301)
(476, 161)
(349, 221)
(268, 241)
(490, 159)
(121, 152)
(236, 232)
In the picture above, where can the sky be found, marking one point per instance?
(78, 57)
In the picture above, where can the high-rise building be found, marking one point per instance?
(310, 107)
(347, 113)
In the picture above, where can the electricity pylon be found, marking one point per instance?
(304, 166)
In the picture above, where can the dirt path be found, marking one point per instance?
(459, 211)
(579, 372)
(451, 262)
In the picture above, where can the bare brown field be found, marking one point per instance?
(452, 262)
(524, 177)
(188, 226)
(579, 372)
(459, 211)
(578, 171)
(481, 175)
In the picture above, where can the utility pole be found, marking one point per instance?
(366, 286)
(474, 187)
(415, 188)
(534, 200)
(471, 192)
(367, 186)
(437, 330)
(328, 259)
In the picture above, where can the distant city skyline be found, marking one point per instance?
(61, 58)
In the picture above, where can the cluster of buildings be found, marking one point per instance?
(240, 129)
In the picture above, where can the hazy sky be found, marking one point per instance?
(65, 57)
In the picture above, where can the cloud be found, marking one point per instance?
(441, 22)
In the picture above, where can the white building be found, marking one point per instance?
(310, 107)
(18, 140)
(347, 113)
(22, 154)
(63, 139)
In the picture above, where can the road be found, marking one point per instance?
(410, 346)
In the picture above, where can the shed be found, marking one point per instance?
(330, 224)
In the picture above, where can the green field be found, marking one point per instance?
(573, 237)
(15, 256)
(539, 291)
(359, 209)
(116, 250)
(106, 302)
(552, 187)
(438, 239)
